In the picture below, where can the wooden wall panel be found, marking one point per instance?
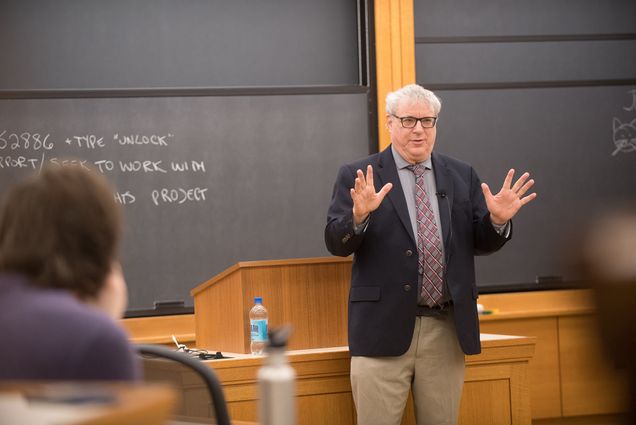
(394, 53)
(591, 385)
(545, 385)
(308, 293)
(312, 299)
(559, 319)
(537, 303)
(569, 376)
(490, 411)
(497, 386)
(219, 317)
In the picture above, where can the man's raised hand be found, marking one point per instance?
(365, 198)
(505, 204)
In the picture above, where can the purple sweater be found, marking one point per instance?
(50, 334)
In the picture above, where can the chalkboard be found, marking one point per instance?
(98, 44)
(550, 90)
(205, 182)
(220, 123)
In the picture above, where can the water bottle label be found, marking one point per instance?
(259, 330)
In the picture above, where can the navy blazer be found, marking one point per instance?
(383, 293)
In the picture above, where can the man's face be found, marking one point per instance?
(414, 144)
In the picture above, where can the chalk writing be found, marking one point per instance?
(68, 162)
(140, 139)
(624, 136)
(104, 165)
(89, 141)
(632, 107)
(178, 195)
(31, 150)
(24, 141)
(187, 166)
(624, 131)
(19, 162)
(125, 198)
(145, 166)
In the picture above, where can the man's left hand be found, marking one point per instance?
(505, 204)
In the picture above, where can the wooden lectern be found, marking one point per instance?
(308, 293)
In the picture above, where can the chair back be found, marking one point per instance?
(201, 393)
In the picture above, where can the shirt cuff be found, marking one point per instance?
(362, 227)
(502, 229)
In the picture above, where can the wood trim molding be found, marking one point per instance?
(159, 329)
(394, 53)
(496, 384)
(267, 264)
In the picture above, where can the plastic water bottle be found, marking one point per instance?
(258, 326)
(277, 383)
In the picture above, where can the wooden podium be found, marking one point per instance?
(308, 293)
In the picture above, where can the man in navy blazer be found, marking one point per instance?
(398, 337)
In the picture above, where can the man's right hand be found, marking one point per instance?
(365, 199)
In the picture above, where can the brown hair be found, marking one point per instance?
(61, 228)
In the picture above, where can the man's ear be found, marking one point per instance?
(388, 122)
(113, 296)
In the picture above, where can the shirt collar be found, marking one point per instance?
(401, 163)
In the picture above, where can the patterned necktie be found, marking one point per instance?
(429, 245)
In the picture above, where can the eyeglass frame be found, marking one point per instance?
(416, 121)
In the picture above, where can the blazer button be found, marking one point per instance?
(407, 287)
(408, 252)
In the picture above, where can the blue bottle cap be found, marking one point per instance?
(258, 300)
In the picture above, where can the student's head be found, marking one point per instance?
(61, 229)
(605, 254)
(411, 114)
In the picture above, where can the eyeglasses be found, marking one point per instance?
(411, 122)
(195, 352)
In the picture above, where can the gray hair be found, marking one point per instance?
(412, 93)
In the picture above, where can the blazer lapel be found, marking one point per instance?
(387, 173)
(444, 183)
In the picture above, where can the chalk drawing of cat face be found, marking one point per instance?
(624, 136)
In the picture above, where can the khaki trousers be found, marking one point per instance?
(433, 367)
